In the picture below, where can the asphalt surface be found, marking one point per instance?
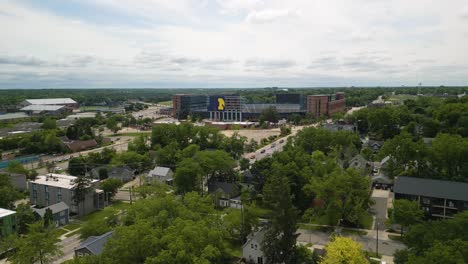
(379, 208)
(68, 246)
(386, 247)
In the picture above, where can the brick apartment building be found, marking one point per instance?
(319, 105)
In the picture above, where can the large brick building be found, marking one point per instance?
(319, 105)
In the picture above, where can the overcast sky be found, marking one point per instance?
(232, 43)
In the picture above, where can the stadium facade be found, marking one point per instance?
(231, 107)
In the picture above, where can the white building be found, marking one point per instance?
(252, 249)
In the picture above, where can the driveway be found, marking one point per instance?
(68, 246)
(379, 209)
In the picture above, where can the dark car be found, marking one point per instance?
(262, 151)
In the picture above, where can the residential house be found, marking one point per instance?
(359, 163)
(252, 249)
(374, 145)
(122, 173)
(7, 223)
(93, 245)
(334, 127)
(52, 188)
(161, 174)
(439, 199)
(60, 212)
(225, 194)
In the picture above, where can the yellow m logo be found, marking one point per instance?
(220, 104)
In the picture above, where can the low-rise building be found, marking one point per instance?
(51, 188)
(122, 173)
(225, 194)
(359, 163)
(439, 199)
(93, 245)
(7, 223)
(161, 174)
(252, 249)
(60, 213)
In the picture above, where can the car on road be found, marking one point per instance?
(58, 169)
(282, 141)
(273, 145)
(252, 157)
(262, 151)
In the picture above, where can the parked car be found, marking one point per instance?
(282, 141)
(273, 145)
(262, 151)
(252, 157)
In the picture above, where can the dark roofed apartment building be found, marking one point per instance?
(439, 199)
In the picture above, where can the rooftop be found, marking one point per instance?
(58, 207)
(13, 116)
(432, 188)
(95, 244)
(52, 101)
(6, 212)
(37, 107)
(159, 171)
(57, 180)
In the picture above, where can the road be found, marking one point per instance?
(274, 146)
(68, 246)
(386, 246)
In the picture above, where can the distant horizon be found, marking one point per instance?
(236, 88)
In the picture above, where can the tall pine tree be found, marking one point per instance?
(279, 243)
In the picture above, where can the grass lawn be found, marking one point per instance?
(353, 232)
(132, 134)
(166, 103)
(59, 232)
(72, 233)
(109, 210)
(395, 237)
(72, 226)
(327, 229)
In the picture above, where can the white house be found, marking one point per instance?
(252, 249)
(161, 174)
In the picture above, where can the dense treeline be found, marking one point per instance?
(443, 241)
(322, 190)
(425, 116)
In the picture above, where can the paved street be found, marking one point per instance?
(68, 246)
(386, 246)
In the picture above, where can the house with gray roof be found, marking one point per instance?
(160, 174)
(60, 212)
(225, 194)
(359, 163)
(438, 198)
(252, 249)
(123, 173)
(93, 245)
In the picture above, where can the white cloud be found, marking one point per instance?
(235, 42)
(270, 15)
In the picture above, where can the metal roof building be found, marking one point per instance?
(52, 101)
(431, 188)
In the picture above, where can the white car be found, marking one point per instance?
(57, 169)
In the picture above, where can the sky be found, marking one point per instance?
(232, 43)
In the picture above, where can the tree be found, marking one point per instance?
(8, 194)
(187, 177)
(448, 156)
(244, 164)
(344, 250)
(285, 130)
(270, 115)
(451, 252)
(24, 217)
(139, 145)
(113, 125)
(81, 189)
(110, 187)
(49, 123)
(406, 213)
(39, 245)
(279, 244)
(48, 217)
